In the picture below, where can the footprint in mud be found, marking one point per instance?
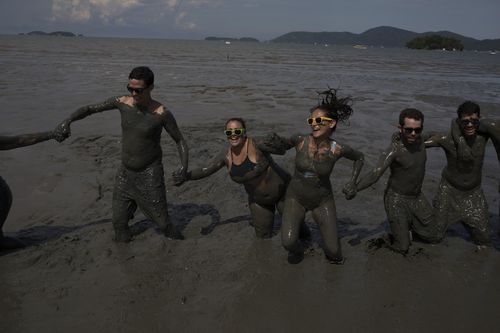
(385, 242)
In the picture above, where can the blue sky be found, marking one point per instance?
(262, 19)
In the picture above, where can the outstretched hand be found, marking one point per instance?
(350, 190)
(62, 131)
(179, 177)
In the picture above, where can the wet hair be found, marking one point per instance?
(334, 107)
(142, 73)
(467, 108)
(240, 120)
(412, 114)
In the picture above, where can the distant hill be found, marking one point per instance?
(243, 39)
(55, 33)
(381, 36)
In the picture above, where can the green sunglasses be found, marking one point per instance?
(234, 131)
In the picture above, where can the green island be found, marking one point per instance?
(435, 42)
(54, 33)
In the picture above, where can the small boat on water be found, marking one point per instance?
(360, 47)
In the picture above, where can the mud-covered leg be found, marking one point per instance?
(5, 203)
(263, 219)
(480, 236)
(152, 200)
(326, 218)
(305, 232)
(6, 243)
(123, 208)
(293, 215)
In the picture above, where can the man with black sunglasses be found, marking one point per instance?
(460, 197)
(140, 179)
(406, 207)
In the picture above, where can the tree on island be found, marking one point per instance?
(435, 42)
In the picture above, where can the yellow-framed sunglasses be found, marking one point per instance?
(318, 120)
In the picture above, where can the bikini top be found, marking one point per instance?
(248, 170)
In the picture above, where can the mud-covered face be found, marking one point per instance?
(411, 130)
(236, 133)
(324, 128)
(469, 124)
(139, 91)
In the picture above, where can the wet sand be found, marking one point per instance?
(73, 277)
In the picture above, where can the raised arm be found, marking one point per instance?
(172, 129)
(384, 161)
(85, 111)
(12, 142)
(345, 151)
(434, 140)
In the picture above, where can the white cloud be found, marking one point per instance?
(183, 23)
(127, 12)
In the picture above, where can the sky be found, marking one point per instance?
(261, 19)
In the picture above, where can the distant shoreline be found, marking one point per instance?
(54, 33)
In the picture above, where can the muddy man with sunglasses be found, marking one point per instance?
(406, 206)
(265, 181)
(140, 179)
(460, 197)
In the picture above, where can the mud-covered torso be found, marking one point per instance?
(247, 170)
(408, 168)
(262, 182)
(464, 174)
(311, 181)
(141, 136)
(319, 164)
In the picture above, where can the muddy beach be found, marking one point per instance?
(73, 277)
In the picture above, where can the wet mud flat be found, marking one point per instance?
(72, 276)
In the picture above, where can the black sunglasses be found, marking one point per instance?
(466, 122)
(138, 91)
(409, 130)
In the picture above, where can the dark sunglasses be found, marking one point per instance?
(138, 91)
(409, 130)
(234, 131)
(466, 122)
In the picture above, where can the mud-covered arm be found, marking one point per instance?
(358, 157)
(275, 144)
(434, 140)
(64, 127)
(385, 160)
(215, 165)
(172, 129)
(12, 142)
(492, 129)
(464, 151)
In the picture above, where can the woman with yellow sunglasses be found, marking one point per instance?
(265, 181)
(310, 188)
